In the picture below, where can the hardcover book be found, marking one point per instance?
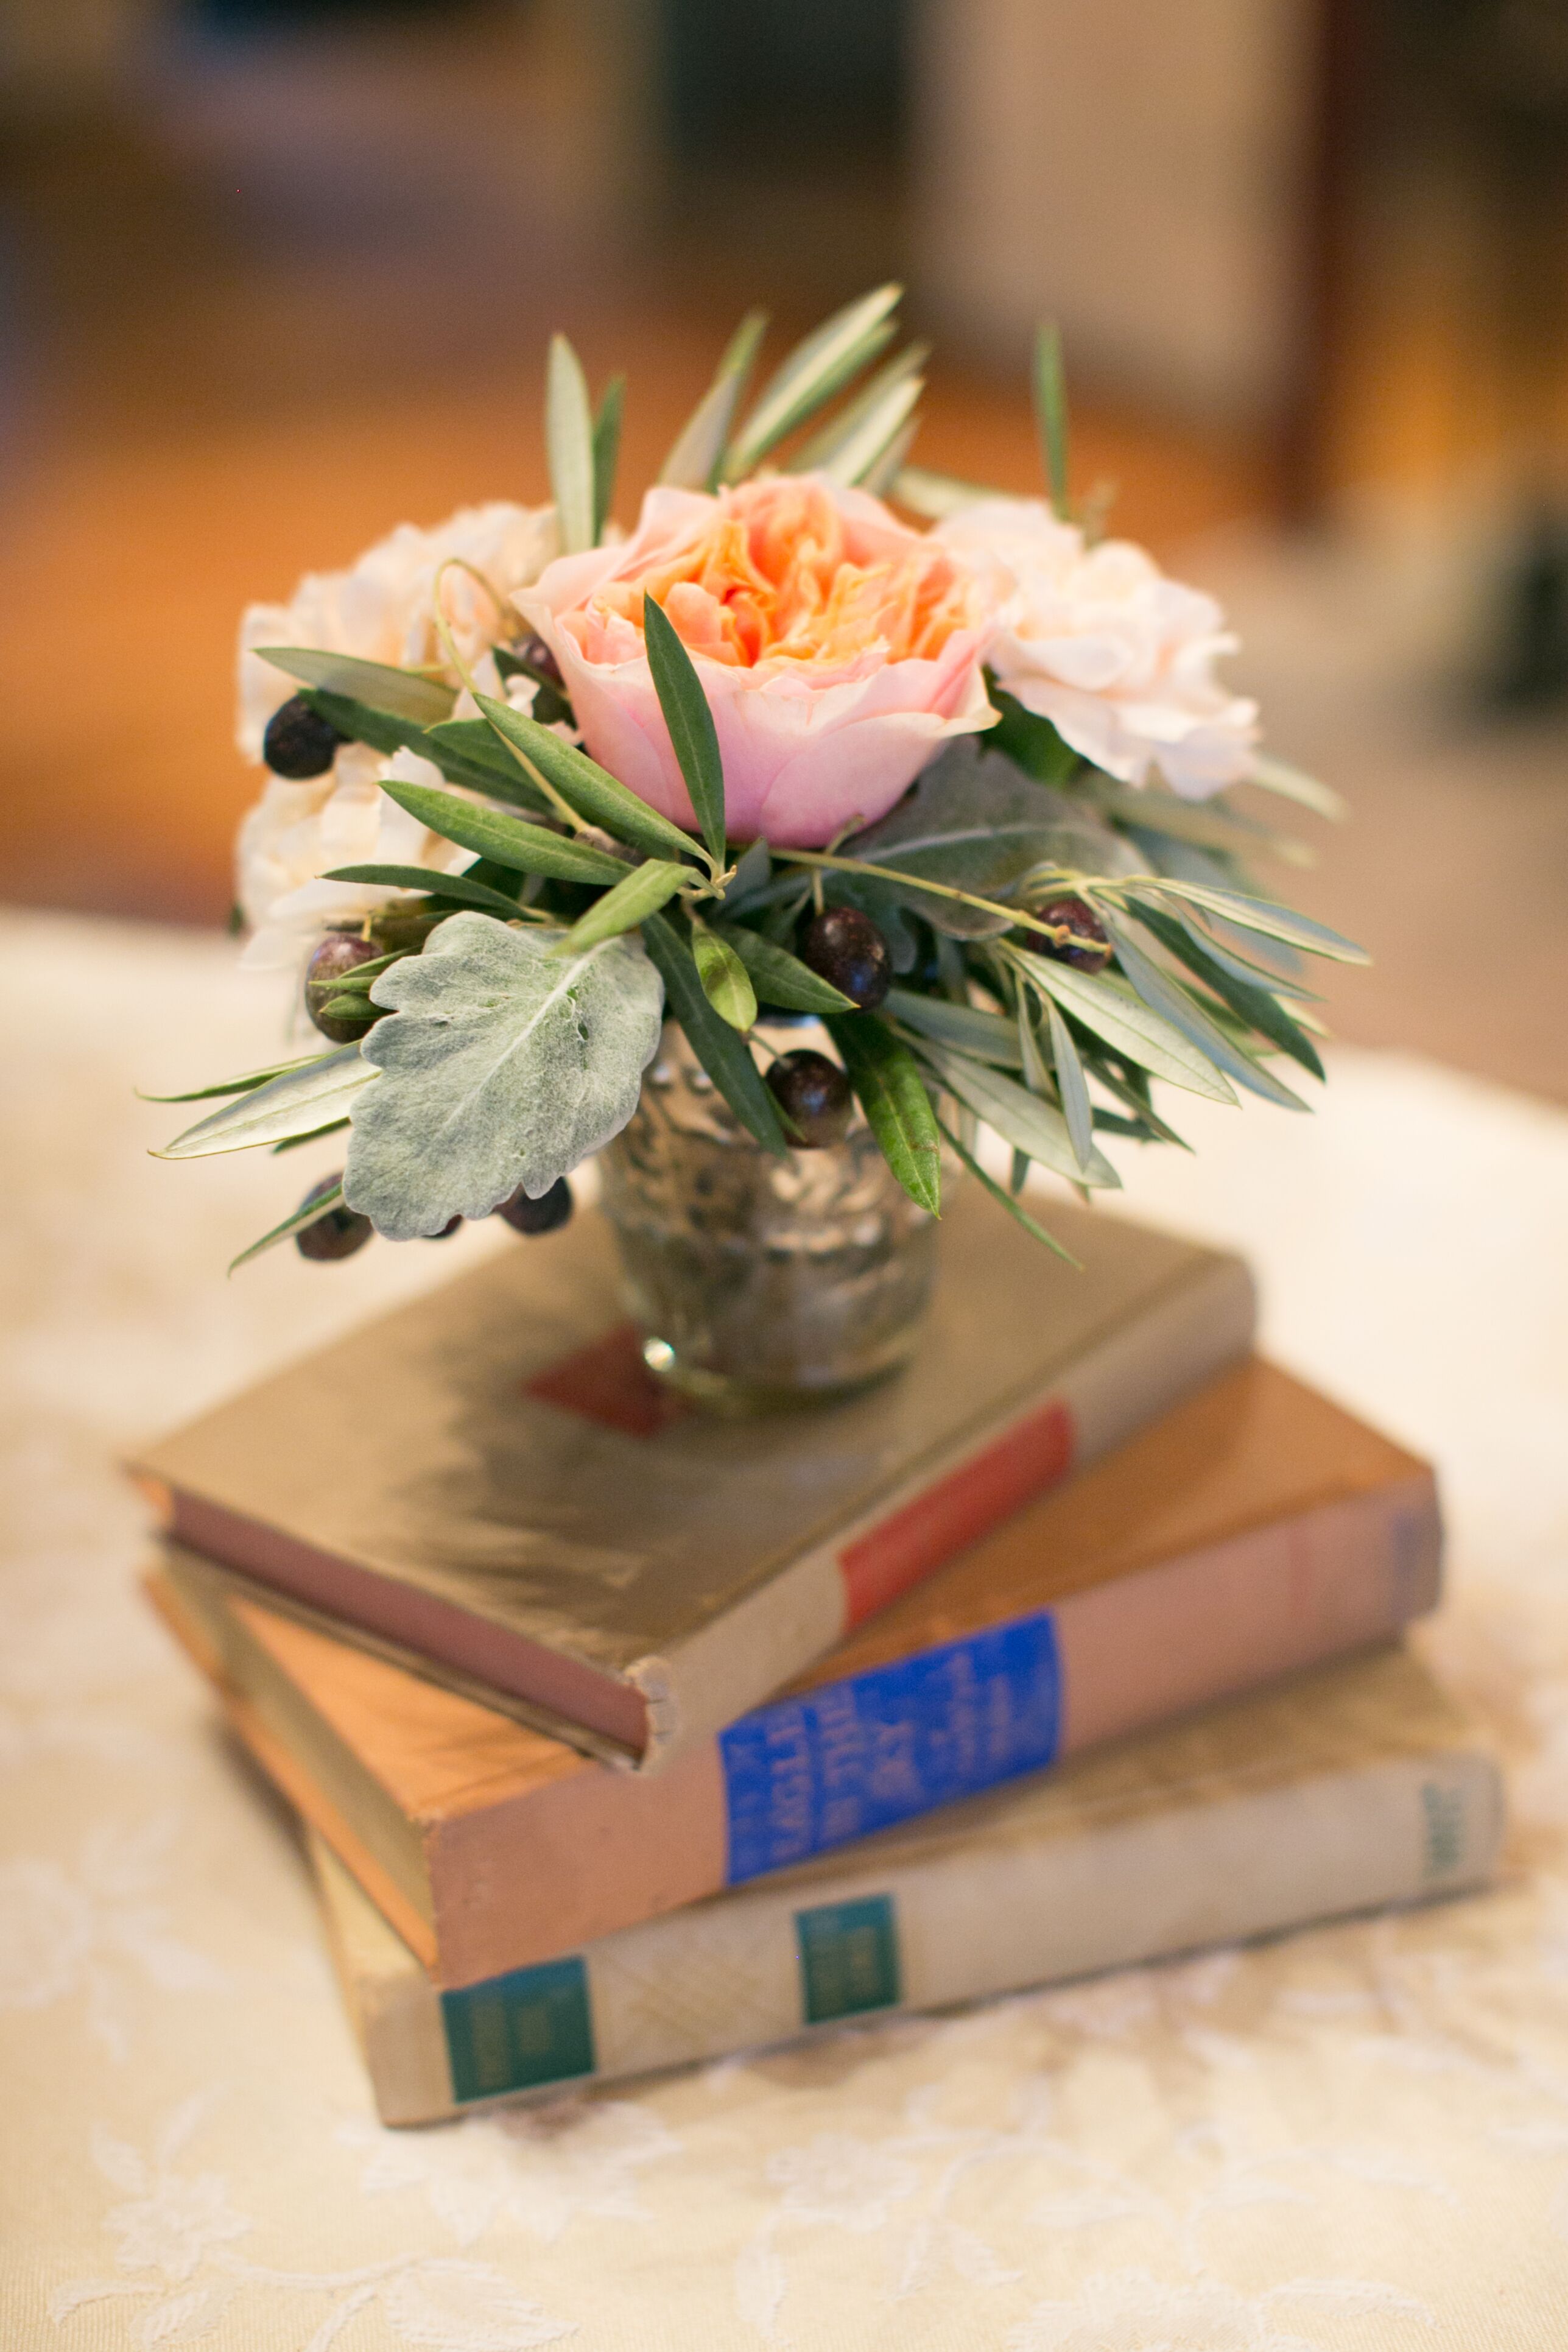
(488, 1483)
(1257, 1528)
(1349, 1788)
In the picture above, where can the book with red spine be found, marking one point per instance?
(1257, 1528)
(490, 1486)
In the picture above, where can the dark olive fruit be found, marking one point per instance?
(298, 742)
(337, 1234)
(814, 1095)
(542, 1216)
(536, 655)
(1089, 948)
(845, 948)
(338, 953)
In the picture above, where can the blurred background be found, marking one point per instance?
(278, 274)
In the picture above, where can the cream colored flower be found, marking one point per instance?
(382, 608)
(1119, 659)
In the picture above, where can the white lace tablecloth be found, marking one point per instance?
(1355, 2138)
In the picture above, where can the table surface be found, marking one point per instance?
(1352, 2138)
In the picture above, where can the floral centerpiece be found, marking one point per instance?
(564, 824)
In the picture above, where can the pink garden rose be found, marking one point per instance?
(837, 649)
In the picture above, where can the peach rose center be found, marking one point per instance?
(781, 575)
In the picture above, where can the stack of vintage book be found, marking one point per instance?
(625, 1736)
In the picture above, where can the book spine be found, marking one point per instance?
(851, 1757)
(1205, 1322)
(979, 1916)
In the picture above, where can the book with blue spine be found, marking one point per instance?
(1343, 1790)
(1256, 1528)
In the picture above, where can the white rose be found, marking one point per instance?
(295, 832)
(1119, 659)
(383, 608)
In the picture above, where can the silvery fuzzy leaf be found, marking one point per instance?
(505, 1065)
(976, 822)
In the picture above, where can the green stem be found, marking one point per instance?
(1054, 931)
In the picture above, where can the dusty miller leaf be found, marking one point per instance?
(504, 1065)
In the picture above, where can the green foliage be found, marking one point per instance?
(973, 822)
(522, 1061)
(988, 1036)
(1019, 1214)
(296, 1220)
(589, 790)
(643, 891)
(1106, 1004)
(606, 451)
(399, 693)
(505, 840)
(1050, 389)
(830, 358)
(892, 1093)
(694, 462)
(856, 441)
(245, 1084)
(295, 1103)
(780, 978)
(724, 1056)
(454, 889)
(569, 447)
(726, 981)
(693, 736)
(1253, 1005)
(1019, 1117)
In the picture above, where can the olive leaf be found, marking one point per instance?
(827, 359)
(607, 450)
(1050, 389)
(1119, 1014)
(644, 890)
(1019, 1214)
(726, 981)
(724, 1056)
(1072, 1087)
(317, 1205)
(568, 446)
(1167, 995)
(853, 441)
(505, 840)
(245, 1084)
(404, 693)
(596, 795)
(1252, 914)
(890, 1091)
(694, 463)
(294, 1103)
(974, 822)
(988, 1035)
(451, 887)
(504, 1065)
(1019, 1117)
(1248, 998)
(693, 735)
(780, 978)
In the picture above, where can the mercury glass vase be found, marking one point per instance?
(760, 1283)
